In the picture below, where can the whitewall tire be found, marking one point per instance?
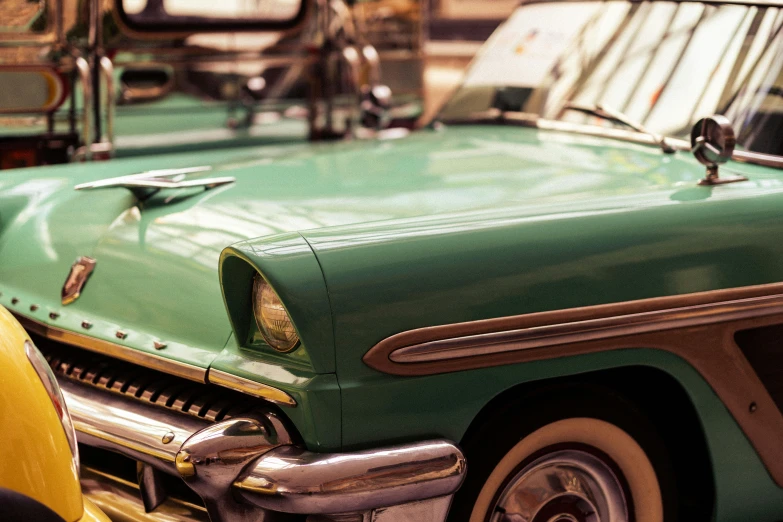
(572, 470)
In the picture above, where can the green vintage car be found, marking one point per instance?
(559, 301)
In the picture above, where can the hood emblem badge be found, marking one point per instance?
(78, 275)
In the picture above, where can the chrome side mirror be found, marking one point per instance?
(712, 143)
(375, 106)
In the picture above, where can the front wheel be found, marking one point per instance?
(572, 470)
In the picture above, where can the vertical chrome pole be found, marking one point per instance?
(107, 70)
(85, 81)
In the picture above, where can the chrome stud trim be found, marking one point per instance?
(159, 345)
(14, 300)
(33, 307)
(118, 351)
(119, 334)
(54, 316)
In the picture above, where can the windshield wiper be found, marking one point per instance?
(496, 116)
(617, 117)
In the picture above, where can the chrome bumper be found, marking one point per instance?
(247, 467)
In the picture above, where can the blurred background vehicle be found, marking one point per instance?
(91, 79)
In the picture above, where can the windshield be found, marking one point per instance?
(663, 64)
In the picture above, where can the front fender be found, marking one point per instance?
(308, 373)
(290, 266)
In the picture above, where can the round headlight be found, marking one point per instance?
(272, 318)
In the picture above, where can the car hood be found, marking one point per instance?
(156, 263)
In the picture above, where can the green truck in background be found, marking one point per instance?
(84, 80)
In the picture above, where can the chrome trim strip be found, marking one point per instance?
(249, 387)
(742, 156)
(532, 120)
(605, 132)
(155, 362)
(122, 425)
(587, 330)
(757, 158)
(294, 480)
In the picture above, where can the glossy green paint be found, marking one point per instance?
(156, 274)
(365, 240)
(609, 242)
(149, 261)
(613, 245)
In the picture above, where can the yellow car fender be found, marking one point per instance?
(37, 459)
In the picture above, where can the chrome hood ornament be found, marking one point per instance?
(148, 183)
(78, 275)
(712, 143)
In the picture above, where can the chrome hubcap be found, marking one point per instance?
(563, 486)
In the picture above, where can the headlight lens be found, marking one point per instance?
(272, 318)
(49, 381)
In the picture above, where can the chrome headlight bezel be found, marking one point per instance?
(272, 319)
(49, 381)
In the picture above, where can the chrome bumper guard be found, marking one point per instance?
(247, 468)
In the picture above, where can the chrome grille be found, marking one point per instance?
(153, 387)
(106, 472)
